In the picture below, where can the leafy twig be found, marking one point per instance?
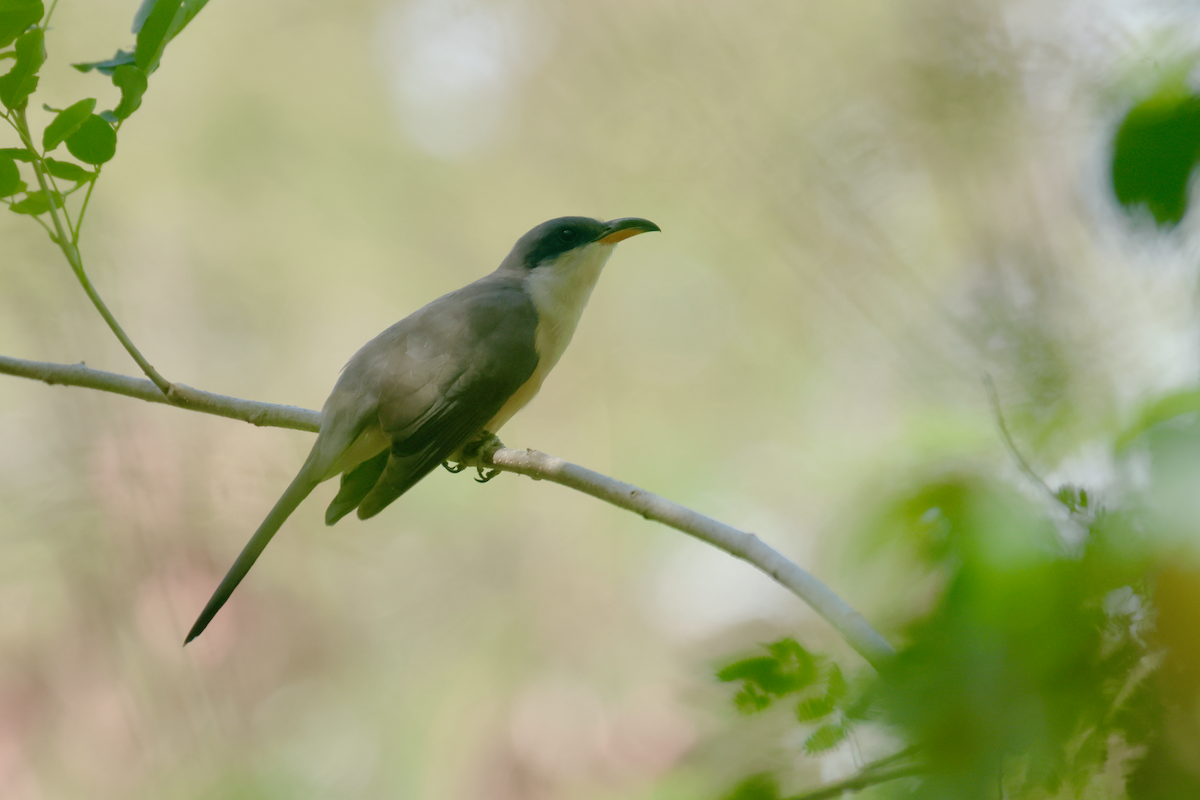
(68, 245)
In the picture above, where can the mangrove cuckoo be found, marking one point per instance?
(444, 378)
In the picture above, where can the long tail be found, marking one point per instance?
(300, 488)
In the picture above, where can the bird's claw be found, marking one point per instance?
(484, 477)
(453, 468)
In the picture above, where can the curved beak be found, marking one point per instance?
(620, 229)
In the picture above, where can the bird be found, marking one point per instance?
(443, 380)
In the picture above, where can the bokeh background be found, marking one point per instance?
(866, 208)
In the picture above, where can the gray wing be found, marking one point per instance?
(437, 378)
(430, 383)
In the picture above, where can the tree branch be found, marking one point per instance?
(252, 411)
(857, 632)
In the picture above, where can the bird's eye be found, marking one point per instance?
(567, 235)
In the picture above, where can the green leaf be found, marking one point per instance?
(1162, 410)
(757, 787)
(21, 80)
(8, 54)
(750, 699)
(789, 668)
(37, 203)
(18, 153)
(68, 171)
(139, 19)
(66, 123)
(1156, 148)
(813, 709)
(825, 738)
(16, 16)
(10, 177)
(108, 66)
(95, 142)
(837, 684)
(752, 669)
(132, 83)
(165, 20)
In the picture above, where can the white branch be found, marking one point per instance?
(252, 411)
(857, 632)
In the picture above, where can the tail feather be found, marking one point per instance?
(355, 485)
(300, 488)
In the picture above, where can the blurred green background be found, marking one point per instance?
(866, 208)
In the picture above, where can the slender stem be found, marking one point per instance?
(868, 777)
(49, 14)
(857, 632)
(994, 398)
(71, 251)
(83, 208)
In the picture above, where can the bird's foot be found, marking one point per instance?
(454, 468)
(477, 450)
(484, 477)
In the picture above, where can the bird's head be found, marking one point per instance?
(560, 261)
(576, 237)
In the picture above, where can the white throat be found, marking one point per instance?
(560, 290)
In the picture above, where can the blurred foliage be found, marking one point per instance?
(1061, 656)
(867, 206)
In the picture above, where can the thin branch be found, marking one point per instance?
(256, 413)
(857, 632)
(868, 777)
(994, 398)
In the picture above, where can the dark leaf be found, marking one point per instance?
(37, 203)
(109, 117)
(15, 18)
(10, 177)
(21, 80)
(68, 171)
(1154, 152)
(109, 66)
(132, 83)
(66, 123)
(94, 143)
(18, 153)
(814, 708)
(825, 738)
